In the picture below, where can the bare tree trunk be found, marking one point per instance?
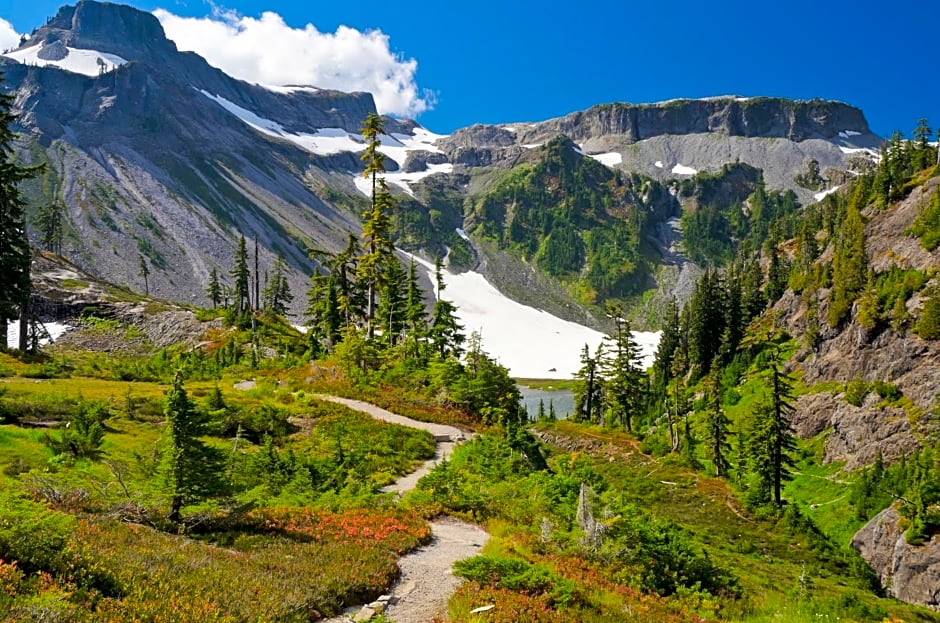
(24, 327)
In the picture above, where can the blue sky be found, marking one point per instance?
(509, 61)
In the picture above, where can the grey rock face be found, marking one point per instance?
(909, 573)
(419, 161)
(55, 51)
(858, 434)
(764, 117)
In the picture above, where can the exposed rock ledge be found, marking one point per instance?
(909, 573)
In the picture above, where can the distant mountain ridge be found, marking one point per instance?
(166, 158)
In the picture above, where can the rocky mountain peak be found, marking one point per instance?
(116, 28)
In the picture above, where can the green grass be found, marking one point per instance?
(548, 384)
(768, 555)
(74, 284)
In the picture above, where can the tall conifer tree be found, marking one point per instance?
(14, 245)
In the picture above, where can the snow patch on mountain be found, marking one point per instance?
(610, 159)
(78, 61)
(54, 329)
(681, 169)
(822, 195)
(265, 126)
(290, 88)
(328, 141)
(530, 342)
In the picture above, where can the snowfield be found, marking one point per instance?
(609, 159)
(530, 342)
(55, 330)
(681, 169)
(78, 61)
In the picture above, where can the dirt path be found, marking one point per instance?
(426, 582)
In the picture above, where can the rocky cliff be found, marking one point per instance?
(909, 573)
(671, 139)
(849, 351)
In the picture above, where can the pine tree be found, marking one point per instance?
(323, 314)
(51, 227)
(144, 272)
(349, 296)
(772, 441)
(276, 295)
(717, 426)
(928, 325)
(214, 288)
(376, 230)
(240, 278)
(445, 333)
(392, 310)
(14, 245)
(415, 315)
(923, 154)
(189, 469)
(622, 374)
(588, 393)
(706, 322)
(849, 265)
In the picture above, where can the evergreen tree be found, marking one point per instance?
(51, 227)
(376, 230)
(588, 393)
(923, 156)
(928, 325)
(189, 469)
(214, 289)
(772, 441)
(277, 295)
(778, 273)
(706, 322)
(392, 310)
(668, 343)
(349, 296)
(716, 425)
(323, 315)
(14, 245)
(144, 272)
(623, 378)
(415, 314)
(849, 265)
(446, 334)
(240, 278)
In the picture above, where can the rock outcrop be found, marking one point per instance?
(909, 573)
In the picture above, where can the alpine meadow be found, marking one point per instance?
(278, 352)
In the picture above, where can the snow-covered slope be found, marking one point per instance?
(77, 61)
(328, 141)
(530, 342)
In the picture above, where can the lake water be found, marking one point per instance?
(562, 399)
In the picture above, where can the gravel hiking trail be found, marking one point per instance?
(426, 582)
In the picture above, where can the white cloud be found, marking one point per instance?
(9, 38)
(268, 51)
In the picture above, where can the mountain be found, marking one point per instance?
(159, 157)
